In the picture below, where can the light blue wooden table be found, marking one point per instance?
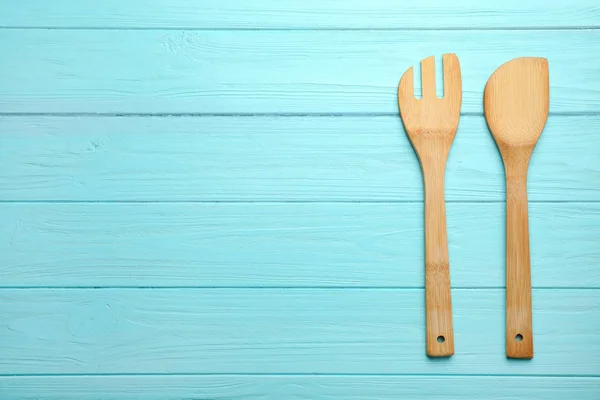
(216, 200)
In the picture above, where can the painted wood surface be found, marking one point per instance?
(233, 72)
(300, 14)
(276, 159)
(298, 387)
(216, 199)
(283, 331)
(284, 245)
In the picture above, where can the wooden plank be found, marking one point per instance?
(293, 387)
(146, 71)
(283, 245)
(80, 331)
(276, 159)
(299, 14)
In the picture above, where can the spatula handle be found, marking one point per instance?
(440, 335)
(519, 331)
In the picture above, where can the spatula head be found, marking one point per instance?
(516, 101)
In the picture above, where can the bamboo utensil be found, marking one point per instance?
(516, 102)
(431, 125)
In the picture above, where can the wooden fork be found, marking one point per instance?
(431, 125)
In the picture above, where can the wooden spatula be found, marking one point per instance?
(516, 101)
(431, 125)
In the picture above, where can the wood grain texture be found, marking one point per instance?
(298, 387)
(80, 331)
(299, 14)
(285, 245)
(146, 71)
(431, 123)
(276, 159)
(516, 109)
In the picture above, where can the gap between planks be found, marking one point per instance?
(282, 201)
(258, 115)
(268, 288)
(298, 29)
(316, 374)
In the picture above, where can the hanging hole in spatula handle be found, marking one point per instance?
(438, 302)
(440, 335)
(519, 329)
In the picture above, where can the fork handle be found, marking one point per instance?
(519, 332)
(438, 302)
